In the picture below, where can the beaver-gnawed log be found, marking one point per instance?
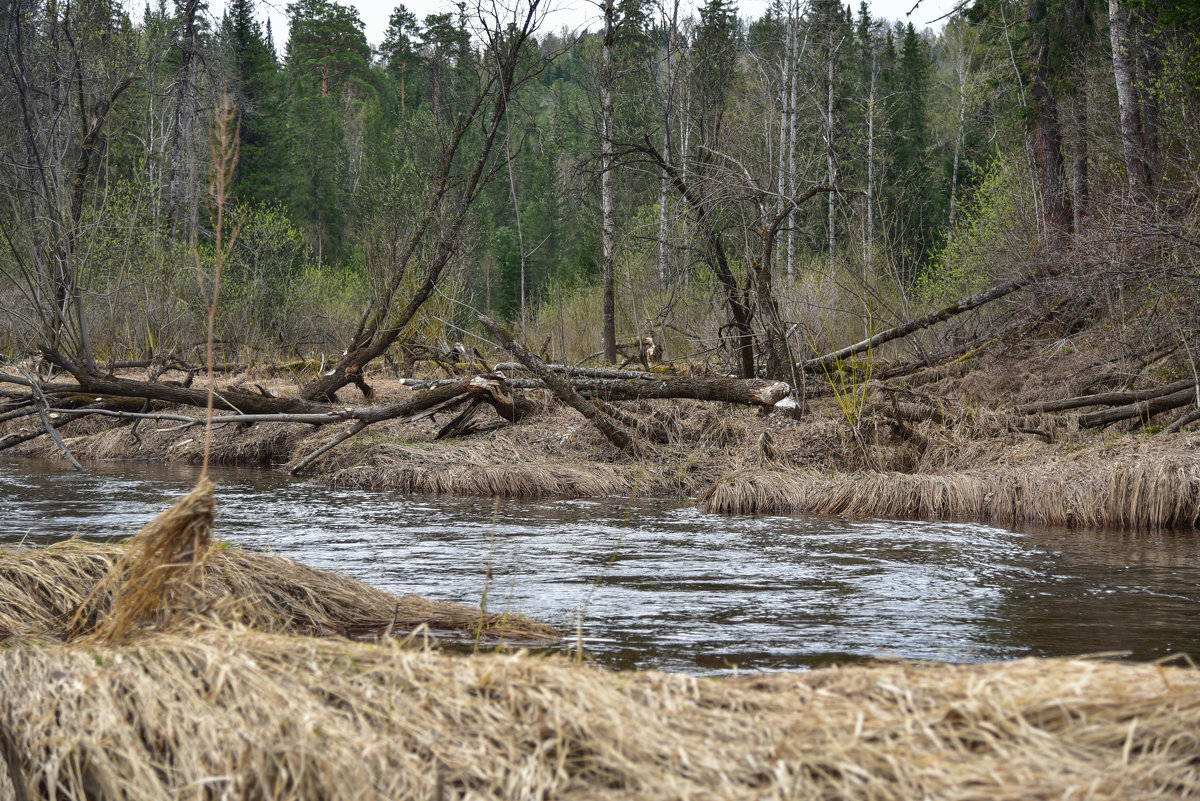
(749, 391)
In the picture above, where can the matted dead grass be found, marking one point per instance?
(228, 714)
(41, 589)
(1148, 492)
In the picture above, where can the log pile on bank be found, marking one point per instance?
(105, 395)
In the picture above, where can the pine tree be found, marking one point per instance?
(256, 100)
(328, 81)
(400, 57)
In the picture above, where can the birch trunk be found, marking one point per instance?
(1136, 166)
(608, 226)
(664, 181)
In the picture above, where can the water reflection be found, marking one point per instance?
(660, 585)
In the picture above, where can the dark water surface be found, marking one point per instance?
(685, 591)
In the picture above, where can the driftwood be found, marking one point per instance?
(559, 386)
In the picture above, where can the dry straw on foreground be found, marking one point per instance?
(1149, 493)
(226, 714)
(40, 590)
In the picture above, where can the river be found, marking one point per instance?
(657, 584)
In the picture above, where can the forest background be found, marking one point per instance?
(748, 192)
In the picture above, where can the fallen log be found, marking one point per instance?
(1144, 409)
(1106, 398)
(585, 372)
(488, 388)
(560, 387)
(43, 407)
(228, 399)
(747, 391)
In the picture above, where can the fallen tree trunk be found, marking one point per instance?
(487, 388)
(1106, 398)
(560, 387)
(1144, 410)
(227, 399)
(826, 361)
(43, 407)
(748, 391)
(586, 372)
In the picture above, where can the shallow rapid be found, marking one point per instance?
(657, 584)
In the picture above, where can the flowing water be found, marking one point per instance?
(657, 584)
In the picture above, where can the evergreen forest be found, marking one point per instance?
(746, 191)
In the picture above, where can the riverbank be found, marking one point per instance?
(254, 715)
(42, 588)
(222, 689)
(955, 442)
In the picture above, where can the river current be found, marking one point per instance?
(658, 584)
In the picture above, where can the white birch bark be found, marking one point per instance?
(1123, 69)
(608, 226)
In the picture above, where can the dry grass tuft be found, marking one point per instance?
(1152, 492)
(155, 580)
(41, 589)
(244, 715)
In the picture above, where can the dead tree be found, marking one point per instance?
(453, 190)
(53, 118)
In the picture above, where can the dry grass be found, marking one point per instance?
(225, 714)
(41, 589)
(1151, 492)
(157, 577)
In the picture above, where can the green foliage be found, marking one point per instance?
(994, 232)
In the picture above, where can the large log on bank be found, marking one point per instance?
(228, 399)
(749, 391)
(1106, 398)
(1145, 409)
